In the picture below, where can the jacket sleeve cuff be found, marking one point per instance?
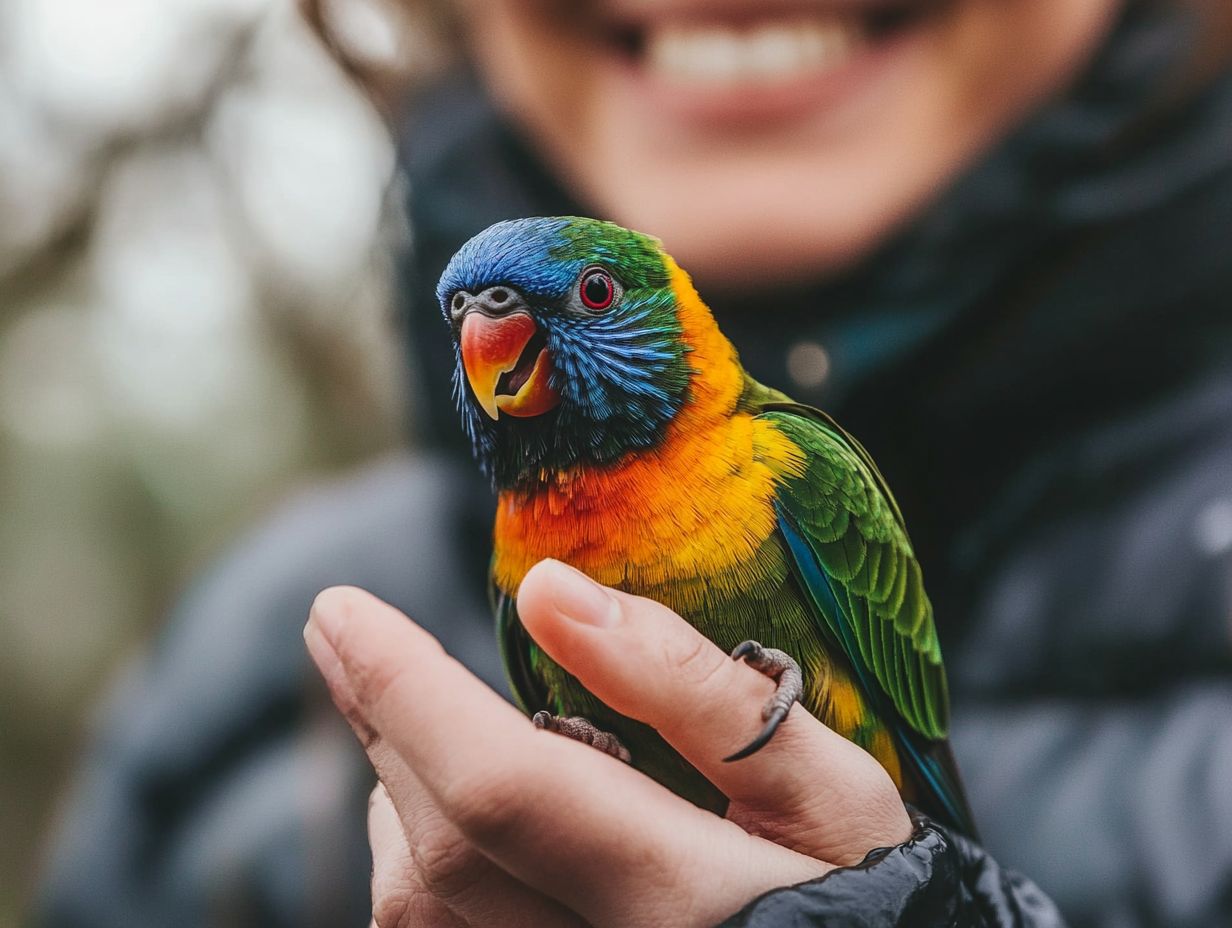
(936, 879)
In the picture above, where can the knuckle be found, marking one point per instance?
(393, 911)
(407, 908)
(487, 808)
(695, 662)
(446, 864)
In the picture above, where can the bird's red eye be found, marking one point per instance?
(597, 289)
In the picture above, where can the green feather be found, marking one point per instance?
(894, 624)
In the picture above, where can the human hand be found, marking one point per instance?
(482, 819)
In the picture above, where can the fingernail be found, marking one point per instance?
(580, 599)
(323, 654)
(328, 613)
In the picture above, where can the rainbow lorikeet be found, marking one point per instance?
(625, 439)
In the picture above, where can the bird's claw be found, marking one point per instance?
(579, 729)
(780, 667)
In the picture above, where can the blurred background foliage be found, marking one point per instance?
(195, 316)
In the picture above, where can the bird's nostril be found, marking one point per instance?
(499, 296)
(458, 302)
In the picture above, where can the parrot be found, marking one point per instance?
(623, 437)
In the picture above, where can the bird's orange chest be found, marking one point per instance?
(693, 507)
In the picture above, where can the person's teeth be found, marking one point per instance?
(767, 52)
(776, 50)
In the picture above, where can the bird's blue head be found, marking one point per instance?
(569, 344)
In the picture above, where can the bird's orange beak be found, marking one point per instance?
(507, 364)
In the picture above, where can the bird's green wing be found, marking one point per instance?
(839, 511)
(851, 553)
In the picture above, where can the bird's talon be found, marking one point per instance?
(780, 667)
(745, 648)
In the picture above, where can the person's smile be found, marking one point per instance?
(736, 64)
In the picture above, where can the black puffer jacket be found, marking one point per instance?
(1042, 366)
